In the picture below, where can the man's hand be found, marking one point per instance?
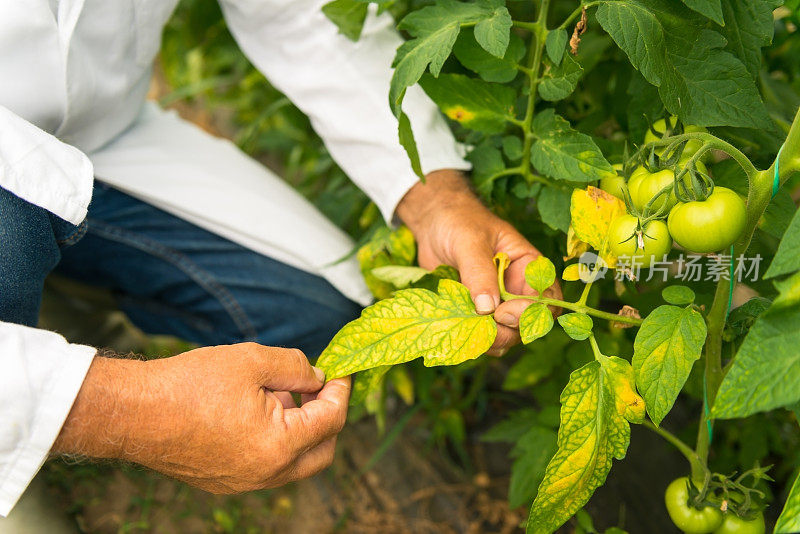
(452, 227)
(219, 418)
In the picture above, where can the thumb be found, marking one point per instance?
(476, 267)
(280, 369)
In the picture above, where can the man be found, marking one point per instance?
(197, 240)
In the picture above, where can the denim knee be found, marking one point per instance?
(30, 247)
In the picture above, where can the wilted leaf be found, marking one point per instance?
(596, 406)
(575, 247)
(626, 311)
(667, 345)
(443, 329)
(592, 211)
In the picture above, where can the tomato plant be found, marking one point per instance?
(733, 524)
(552, 99)
(547, 95)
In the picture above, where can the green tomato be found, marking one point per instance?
(613, 183)
(732, 524)
(652, 183)
(625, 243)
(638, 174)
(708, 225)
(685, 516)
(660, 126)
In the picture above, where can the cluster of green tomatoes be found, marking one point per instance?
(700, 217)
(707, 518)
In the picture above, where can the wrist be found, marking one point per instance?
(442, 189)
(111, 404)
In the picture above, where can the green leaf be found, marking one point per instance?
(540, 274)
(578, 326)
(486, 161)
(442, 328)
(512, 147)
(565, 154)
(535, 322)
(710, 8)
(385, 247)
(406, 137)
(493, 32)
(678, 295)
(368, 382)
(748, 27)
(778, 215)
(489, 68)
(556, 45)
(667, 345)
(532, 452)
(789, 520)
(435, 29)
(399, 276)
(596, 406)
(553, 204)
(787, 259)
(473, 103)
(558, 82)
(742, 318)
(348, 15)
(676, 51)
(766, 371)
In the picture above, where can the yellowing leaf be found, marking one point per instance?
(385, 248)
(540, 274)
(596, 406)
(667, 345)
(442, 328)
(575, 247)
(368, 382)
(592, 212)
(573, 272)
(535, 322)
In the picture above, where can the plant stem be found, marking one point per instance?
(688, 453)
(538, 37)
(598, 354)
(758, 197)
(574, 306)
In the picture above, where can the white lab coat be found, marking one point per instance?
(73, 79)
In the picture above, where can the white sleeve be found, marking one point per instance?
(40, 376)
(343, 87)
(39, 168)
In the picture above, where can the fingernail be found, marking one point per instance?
(507, 319)
(320, 374)
(484, 303)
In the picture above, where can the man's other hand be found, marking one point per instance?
(219, 418)
(452, 227)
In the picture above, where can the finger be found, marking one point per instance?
(321, 418)
(282, 369)
(476, 267)
(312, 462)
(515, 274)
(506, 338)
(286, 399)
(509, 312)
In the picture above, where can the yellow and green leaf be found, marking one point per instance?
(540, 274)
(592, 211)
(596, 407)
(442, 328)
(535, 322)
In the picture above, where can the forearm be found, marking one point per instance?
(112, 406)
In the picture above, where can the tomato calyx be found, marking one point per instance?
(738, 497)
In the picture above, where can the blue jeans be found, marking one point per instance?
(168, 275)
